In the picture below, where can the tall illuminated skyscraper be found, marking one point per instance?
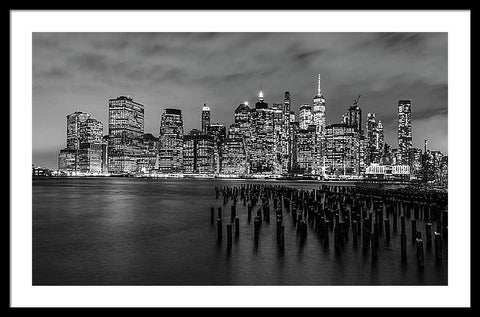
(404, 131)
(205, 118)
(125, 130)
(74, 122)
(262, 156)
(318, 110)
(170, 151)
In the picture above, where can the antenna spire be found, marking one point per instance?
(319, 90)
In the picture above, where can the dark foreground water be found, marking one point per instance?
(124, 231)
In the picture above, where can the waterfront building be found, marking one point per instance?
(306, 141)
(91, 158)
(198, 153)
(218, 133)
(294, 129)
(86, 150)
(433, 165)
(305, 116)
(341, 150)
(234, 157)
(388, 171)
(147, 160)
(205, 118)
(125, 130)
(67, 160)
(38, 171)
(415, 159)
(170, 145)
(443, 177)
(404, 131)
(374, 139)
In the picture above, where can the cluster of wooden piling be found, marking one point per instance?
(368, 214)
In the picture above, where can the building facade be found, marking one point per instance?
(170, 150)
(125, 131)
(404, 131)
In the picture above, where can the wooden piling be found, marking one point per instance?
(428, 234)
(387, 230)
(281, 240)
(237, 226)
(229, 234)
(438, 246)
(420, 255)
(403, 245)
(219, 229)
(414, 229)
(256, 228)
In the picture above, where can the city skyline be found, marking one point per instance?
(426, 87)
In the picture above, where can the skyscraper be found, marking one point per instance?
(318, 110)
(218, 133)
(341, 149)
(198, 149)
(404, 131)
(170, 151)
(205, 118)
(262, 156)
(125, 130)
(85, 151)
(74, 121)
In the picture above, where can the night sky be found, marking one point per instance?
(81, 71)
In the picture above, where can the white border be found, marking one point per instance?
(456, 23)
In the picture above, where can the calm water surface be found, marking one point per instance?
(124, 231)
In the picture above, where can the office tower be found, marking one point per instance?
(234, 157)
(205, 118)
(443, 177)
(432, 165)
(319, 120)
(374, 140)
(170, 150)
(353, 116)
(198, 153)
(415, 159)
(341, 150)
(306, 140)
(85, 152)
(404, 130)
(285, 140)
(262, 156)
(147, 160)
(280, 146)
(126, 128)
(74, 122)
(218, 134)
(67, 160)
(305, 116)
(294, 129)
(371, 137)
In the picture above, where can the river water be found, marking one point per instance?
(132, 231)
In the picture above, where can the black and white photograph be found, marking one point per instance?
(186, 157)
